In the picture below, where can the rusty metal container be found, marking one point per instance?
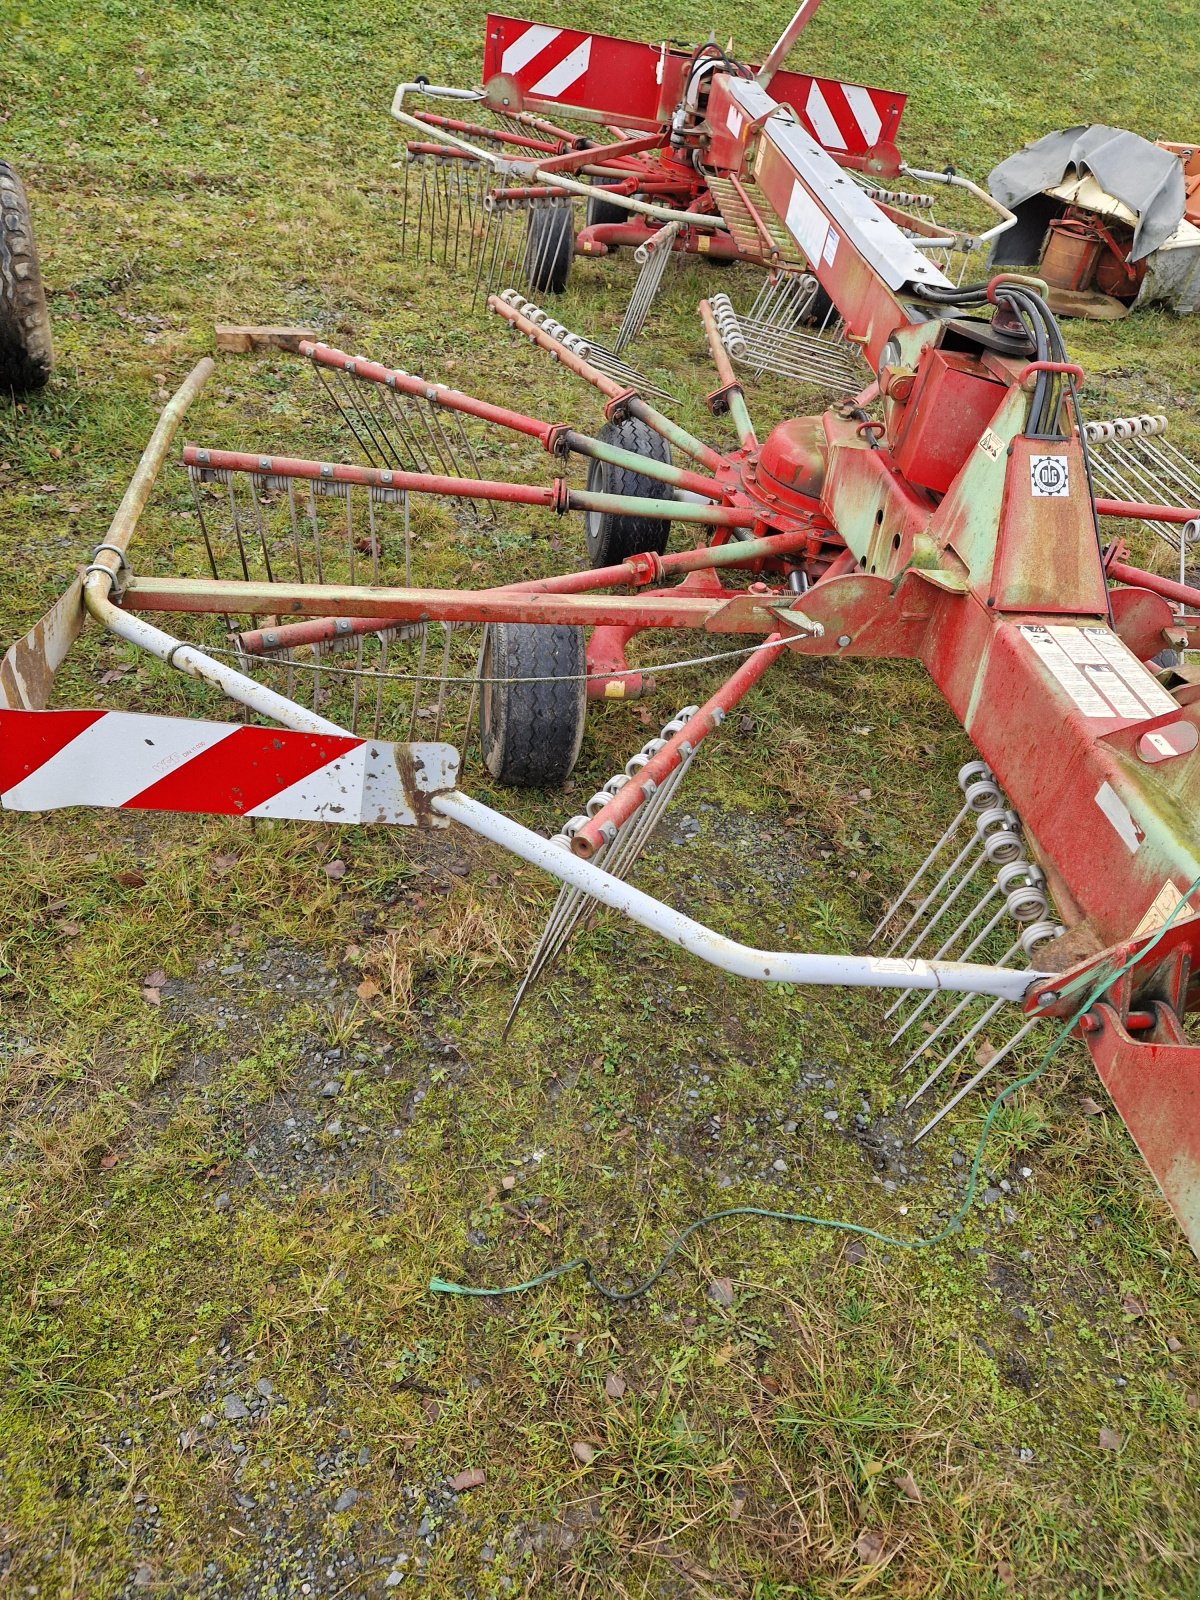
(1070, 255)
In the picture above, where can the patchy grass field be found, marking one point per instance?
(227, 1177)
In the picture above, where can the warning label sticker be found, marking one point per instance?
(1140, 679)
(1049, 475)
(1102, 676)
(1160, 908)
(991, 444)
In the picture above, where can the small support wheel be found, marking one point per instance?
(612, 538)
(26, 353)
(602, 213)
(549, 246)
(816, 313)
(531, 732)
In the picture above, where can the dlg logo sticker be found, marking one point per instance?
(1049, 475)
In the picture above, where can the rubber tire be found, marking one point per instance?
(26, 352)
(612, 538)
(531, 732)
(602, 213)
(549, 246)
(821, 306)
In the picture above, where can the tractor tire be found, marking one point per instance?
(612, 538)
(549, 246)
(604, 212)
(26, 353)
(531, 732)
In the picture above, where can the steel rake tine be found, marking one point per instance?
(375, 451)
(314, 528)
(295, 528)
(963, 1004)
(418, 680)
(958, 861)
(485, 238)
(965, 955)
(989, 1012)
(237, 527)
(387, 428)
(356, 686)
(569, 905)
(419, 241)
(499, 231)
(618, 858)
(1181, 466)
(515, 245)
(203, 521)
(537, 962)
(261, 526)
(920, 872)
(962, 883)
(575, 905)
(447, 206)
(475, 186)
(350, 552)
(341, 411)
(627, 848)
(473, 699)
(534, 269)
(373, 535)
(384, 646)
(974, 1082)
(407, 433)
(976, 910)
(440, 708)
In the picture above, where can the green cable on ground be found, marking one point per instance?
(582, 1264)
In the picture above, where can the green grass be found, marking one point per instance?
(189, 165)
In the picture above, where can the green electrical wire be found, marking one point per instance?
(582, 1264)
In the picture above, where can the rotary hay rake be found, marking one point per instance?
(944, 514)
(496, 197)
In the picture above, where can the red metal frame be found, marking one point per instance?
(638, 91)
(957, 529)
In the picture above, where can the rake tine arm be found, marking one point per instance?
(598, 830)
(437, 394)
(522, 141)
(1183, 594)
(629, 203)
(1146, 513)
(636, 572)
(551, 436)
(571, 160)
(556, 496)
(490, 157)
(664, 471)
(729, 397)
(441, 152)
(573, 362)
(621, 398)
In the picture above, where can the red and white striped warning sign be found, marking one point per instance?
(558, 65)
(637, 85)
(50, 759)
(843, 116)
